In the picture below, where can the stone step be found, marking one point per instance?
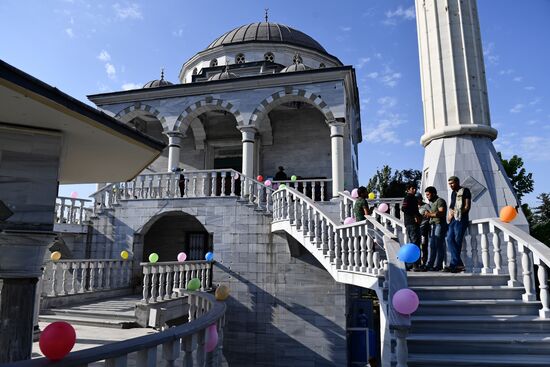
(478, 307)
(91, 314)
(449, 279)
(89, 321)
(481, 292)
(504, 343)
(495, 324)
(475, 360)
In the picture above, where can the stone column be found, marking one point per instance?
(174, 146)
(457, 128)
(337, 153)
(249, 133)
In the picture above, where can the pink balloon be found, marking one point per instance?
(74, 194)
(349, 220)
(405, 301)
(182, 256)
(211, 338)
(383, 207)
(354, 194)
(236, 176)
(267, 182)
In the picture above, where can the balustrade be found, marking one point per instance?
(316, 189)
(162, 278)
(67, 277)
(72, 210)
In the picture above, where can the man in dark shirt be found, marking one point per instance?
(361, 206)
(461, 201)
(280, 175)
(412, 218)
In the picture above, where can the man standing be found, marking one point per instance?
(461, 201)
(412, 218)
(425, 229)
(436, 215)
(361, 206)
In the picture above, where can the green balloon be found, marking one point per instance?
(194, 284)
(293, 178)
(282, 186)
(154, 257)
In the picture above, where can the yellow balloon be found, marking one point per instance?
(222, 292)
(124, 254)
(55, 256)
(372, 196)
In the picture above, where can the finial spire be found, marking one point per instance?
(161, 73)
(266, 14)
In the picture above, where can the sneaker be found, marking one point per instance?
(458, 269)
(448, 269)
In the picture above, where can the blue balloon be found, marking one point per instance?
(209, 256)
(409, 253)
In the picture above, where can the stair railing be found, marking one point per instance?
(513, 248)
(316, 189)
(72, 210)
(346, 205)
(187, 341)
(161, 279)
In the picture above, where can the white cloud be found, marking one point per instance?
(362, 61)
(531, 148)
(387, 102)
(388, 77)
(532, 122)
(489, 53)
(506, 72)
(110, 69)
(399, 14)
(517, 108)
(69, 32)
(372, 75)
(129, 11)
(530, 87)
(410, 143)
(178, 33)
(129, 86)
(535, 101)
(345, 28)
(385, 130)
(518, 79)
(104, 56)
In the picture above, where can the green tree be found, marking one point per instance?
(390, 183)
(522, 182)
(540, 228)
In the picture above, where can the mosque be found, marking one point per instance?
(306, 290)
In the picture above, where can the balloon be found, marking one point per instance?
(383, 207)
(267, 182)
(236, 176)
(282, 186)
(409, 253)
(182, 256)
(56, 340)
(209, 256)
(293, 178)
(405, 301)
(372, 196)
(55, 256)
(193, 284)
(349, 220)
(508, 214)
(154, 257)
(222, 292)
(354, 193)
(260, 178)
(124, 254)
(74, 194)
(346, 192)
(211, 338)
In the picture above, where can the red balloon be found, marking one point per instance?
(57, 340)
(260, 178)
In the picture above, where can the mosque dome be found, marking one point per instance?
(267, 32)
(226, 74)
(157, 82)
(297, 65)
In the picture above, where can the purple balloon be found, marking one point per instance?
(383, 207)
(354, 193)
(405, 301)
(211, 338)
(182, 256)
(267, 182)
(349, 220)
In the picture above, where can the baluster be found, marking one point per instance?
(351, 244)
(294, 206)
(128, 266)
(401, 350)
(54, 279)
(92, 276)
(147, 357)
(213, 189)
(363, 246)
(201, 350)
(528, 279)
(171, 352)
(208, 281)
(73, 267)
(322, 190)
(542, 273)
(223, 176)
(484, 248)
(168, 290)
(316, 234)
(376, 261)
(145, 284)
(189, 343)
(204, 179)
(108, 266)
(324, 235)
(338, 248)
(182, 276)
(65, 267)
(121, 361)
(474, 247)
(370, 254)
(496, 249)
(331, 244)
(233, 183)
(268, 200)
(162, 283)
(83, 275)
(342, 210)
(344, 245)
(154, 286)
(512, 268)
(303, 216)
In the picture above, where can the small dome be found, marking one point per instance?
(297, 66)
(158, 82)
(226, 74)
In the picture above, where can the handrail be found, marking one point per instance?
(185, 334)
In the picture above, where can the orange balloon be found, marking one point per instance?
(222, 292)
(508, 214)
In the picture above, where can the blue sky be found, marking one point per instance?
(85, 47)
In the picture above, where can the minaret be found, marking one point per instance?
(457, 127)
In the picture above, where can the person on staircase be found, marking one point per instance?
(425, 229)
(461, 201)
(280, 175)
(437, 217)
(361, 206)
(412, 220)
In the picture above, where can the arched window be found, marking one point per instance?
(239, 59)
(269, 57)
(297, 59)
(322, 65)
(214, 63)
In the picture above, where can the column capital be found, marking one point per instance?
(175, 134)
(336, 128)
(248, 132)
